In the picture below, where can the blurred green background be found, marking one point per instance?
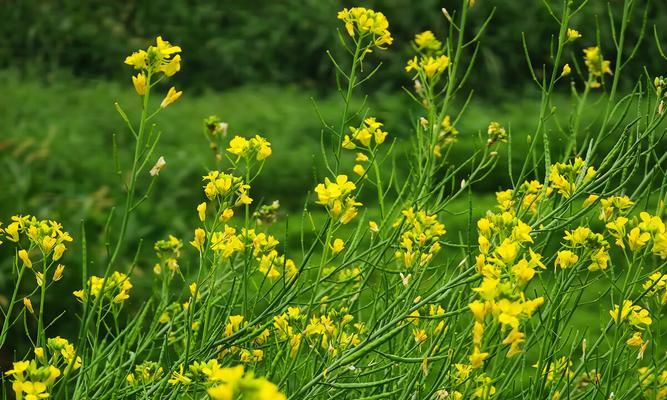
(260, 66)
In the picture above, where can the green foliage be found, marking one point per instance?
(239, 42)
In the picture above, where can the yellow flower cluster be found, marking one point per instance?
(420, 239)
(633, 313)
(447, 136)
(337, 196)
(145, 373)
(611, 206)
(656, 283)
(429, 66)
(597, 66)
(226, 243)
(636, 316)
(653, 383)
(573, 34)
(433, 325)
(431, 62)
(168, 252)
(272, 264)
(581, 243)
(47, 235)
(333, 331)
(529, 193)
(496, 133)
(344, 275)
(362, 22)
(370, 129)
(426, 41)
(234, 324)
(161, 58)
(257, 147)
(116, 288)
(564, 177)
(506, 264)
(227, 383)
(480, 385)
(33, 380)
(220, 185)
(560, 368)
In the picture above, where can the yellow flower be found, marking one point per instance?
(159, 58)
(200, 237)
(617, 229)
(590, 200)
(523, 272)
(579, 236)
(23, 255)
(234, 323)
(359, 169)
(221, 392)
(597, 66)
(137, 59)
(226, 215)
(637, 239)
(165, 48)
(348, 143)
(639, 316)
(28, 305)
(58, 273)
(478, 310)
(337, 246)
(507, 251)
(488, 289)
(566, 258)
(599, 260)
(262, 147)
(477, 333)
(366, 22)
(172, 96)
(496, 133)
(427, 41)
(619, 315)
(361, 157)
(58, 251)
(139, 82)
(572, 34)
(172, 67)
(419, 335)
(566, 70)
(432, 67)
(477, 358)
(328, 192)
(636, 340)
(514, 339)
(201, 211)
(225, 243)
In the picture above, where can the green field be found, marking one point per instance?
(58, 159)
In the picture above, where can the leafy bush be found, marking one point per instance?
(236, 42)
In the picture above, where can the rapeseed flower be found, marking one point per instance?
(597, 66)
(361, 22)
(426, 41)
(172, 96)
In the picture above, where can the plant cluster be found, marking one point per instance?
(381, 301)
